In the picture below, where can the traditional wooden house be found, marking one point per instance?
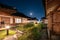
(33, 20)
(23, 18)
(52, 8)
(20, 17)
(10, 16)
(5, 17)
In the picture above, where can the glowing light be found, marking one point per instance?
(31, 14)
(7, 27)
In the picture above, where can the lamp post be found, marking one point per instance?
(7, 28)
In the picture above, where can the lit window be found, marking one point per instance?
(17, 20)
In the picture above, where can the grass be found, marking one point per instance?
(3, 33)
(32, 31)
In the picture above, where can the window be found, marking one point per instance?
(17, 20)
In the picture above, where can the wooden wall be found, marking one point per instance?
(53, 15)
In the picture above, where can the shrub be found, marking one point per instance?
(35, 34)
(32, 32)
(41, 25)
(28, 25)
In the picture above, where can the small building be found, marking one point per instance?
(43, 19)
(33, 20)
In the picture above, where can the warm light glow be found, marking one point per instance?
(7, 27)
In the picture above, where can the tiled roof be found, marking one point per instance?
(33, 18)
(23, 15)
(19, 14)
(43, 18)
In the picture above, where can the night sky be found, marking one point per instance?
(27, 6)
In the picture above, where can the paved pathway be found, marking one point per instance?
(54, 37)
(43, 35)
(15, 36)
(10, 38)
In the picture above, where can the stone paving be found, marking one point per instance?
(15, 36)
(20, 33)
(44, 35)
(54, 37)
(10, 38)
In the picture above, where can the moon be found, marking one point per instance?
(31, 14)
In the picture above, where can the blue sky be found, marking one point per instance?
(27, 6)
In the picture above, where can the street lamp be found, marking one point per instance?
(7, 28)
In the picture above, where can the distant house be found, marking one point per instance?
(43, 19)
(33, 20)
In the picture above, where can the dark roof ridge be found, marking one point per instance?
(7, 6)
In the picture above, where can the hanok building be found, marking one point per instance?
(20, 17)
(53, 15)
(5, 17)
(23, 18)
(10, 16)
(33, 20)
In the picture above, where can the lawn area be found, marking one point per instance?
(3, 33)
